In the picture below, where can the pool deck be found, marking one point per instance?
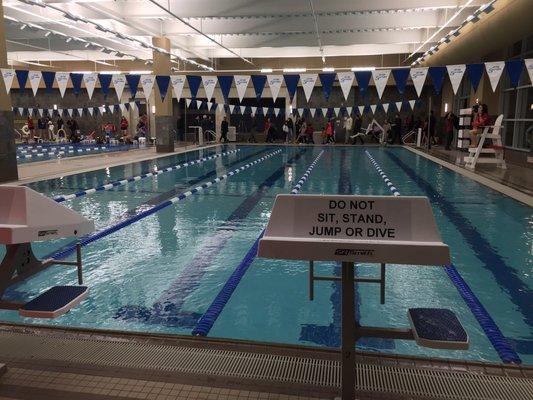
(55, 363)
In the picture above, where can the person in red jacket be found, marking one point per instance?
(123, 125)
(481, 120)
(31, 127)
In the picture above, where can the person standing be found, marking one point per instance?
(431, 129)
(450, 123)
(124, 126)
(224, 127)
(31, 127)
(396, 129)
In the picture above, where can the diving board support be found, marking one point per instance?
(383, 230)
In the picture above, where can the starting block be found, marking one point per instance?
(437, 328)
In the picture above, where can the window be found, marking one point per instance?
(518, 103)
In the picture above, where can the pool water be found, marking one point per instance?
(162, 273)
(27, 153)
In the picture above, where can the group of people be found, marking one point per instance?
(61, 131)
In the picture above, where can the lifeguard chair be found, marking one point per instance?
(384, 230)
(25, 217)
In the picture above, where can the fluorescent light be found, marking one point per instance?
(23, 27)
(487, 8)
(328, 69)
(68, 40)
(153, 109)
(266, 70)
(354, 69)
(445, 107)
(55, 106)
(47, 34)
(294, 69)
(140, 72)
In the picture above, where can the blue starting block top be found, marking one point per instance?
(437, 328)
(54, 302)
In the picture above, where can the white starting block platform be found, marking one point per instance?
(25, 217)
(372, 229)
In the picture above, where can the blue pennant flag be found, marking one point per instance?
(400, 77)
(194, 84)
(133, 83)
(127, 105)
(327, 83)
(22, 78)
(363, 78)
(259, 83)
(475, 72)
(76, 82)
(162, 83)
(514, 70)
(105, 81)
(48, 78)
(437, 75)
(225, 82)
(291, 81)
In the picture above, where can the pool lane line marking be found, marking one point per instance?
(495, 336)
(111, 185)
(168, 308)
(208, 319)
(53, 153)
(329, 335)
(152, 210)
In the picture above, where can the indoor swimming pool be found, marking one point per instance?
(186, 246)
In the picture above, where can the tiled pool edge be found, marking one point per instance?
(499, 187)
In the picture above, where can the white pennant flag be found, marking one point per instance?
(398, 105)
(346, 81)
(30, 112)
(119, 82)
(8, 75)
(300, 112)
(147, 83)
(80, 111)
(381, 77)
(308, 83)
(209, 83)
(243, 108)
(412, 104)
(60, 112)
(349, 110)
(122, 108)
(50, 112)
(70, 112)
(312, 111)
(111, 109)
(274, 83)
(337, 110)
(254, 110)
(494, 71)
(21, 110)
(455, 73)
(361, 110)
(373, 108)
(265, 110)
(198, 104)
(177, 81)
(62, 82)
(133, 105)
(241, 84)
(209, 104)
(90, 83)
(41, 111)
(276, 111)
(102, 109)
(418, 75)
(529, 67)
(231, 108)
(188, 102)
(35, 79)
(386, 107)
(91, 110)
(324, 111)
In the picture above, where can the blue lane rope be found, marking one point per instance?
(208, 319)
(114, 184)
(492, 331)
(111, 229)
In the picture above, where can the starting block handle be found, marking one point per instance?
(313, 278)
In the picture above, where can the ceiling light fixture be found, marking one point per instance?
(266, 70)
(294, 69)
(355, 69)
